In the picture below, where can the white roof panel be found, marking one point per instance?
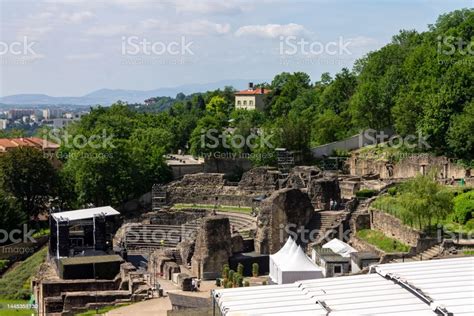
(85, 213)
(449, 283)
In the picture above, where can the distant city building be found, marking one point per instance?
(58, 122)
(75, 116)
(3, 124)
(16, 114)
(251, 99)
(49, 114)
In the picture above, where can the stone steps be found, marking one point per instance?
(324, 221)
(151, 235)
(428, 254)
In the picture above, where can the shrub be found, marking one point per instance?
(235, 279)
(255, 269)
(218, 282)
(264, 283)
(231, 275)
(229, 284)
(366, 193)
(240, 269)
(464, 207)
(225, 271)
(246, 283)
(240, 281)
(392, 191)
(470, 224)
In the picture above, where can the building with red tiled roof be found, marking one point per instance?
(7, 144)
(251, 99)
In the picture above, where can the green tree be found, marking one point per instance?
(460, 136)
(11, 215)
(30, 177)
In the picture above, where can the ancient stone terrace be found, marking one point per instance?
(155, 236)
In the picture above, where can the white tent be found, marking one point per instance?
(291, 264)
(340, 247)
(282, 253)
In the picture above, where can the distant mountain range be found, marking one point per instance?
(108, 96)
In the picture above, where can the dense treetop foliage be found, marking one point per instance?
(417, 83)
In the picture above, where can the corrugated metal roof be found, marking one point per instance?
(417, 288)
(448, 283)
(91, 259)
(85, 213)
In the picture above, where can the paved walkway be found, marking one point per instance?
(157, 306)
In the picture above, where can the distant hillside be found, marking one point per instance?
(109, 96)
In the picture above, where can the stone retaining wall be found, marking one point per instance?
(394, 228)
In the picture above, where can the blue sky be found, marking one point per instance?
(77, 46)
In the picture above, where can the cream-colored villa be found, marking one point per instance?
(250, 99)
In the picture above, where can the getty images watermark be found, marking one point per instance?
(141, 50)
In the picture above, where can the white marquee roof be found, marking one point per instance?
(298, 261)
(85, 213)
(417, 288)
(339, 247)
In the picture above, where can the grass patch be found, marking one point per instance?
(468, 252)
(102, 310)
(15, 284)
(381, 241)
(16, 308)
(220, 208)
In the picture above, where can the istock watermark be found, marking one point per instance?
(213, 138)
(18, 52)
(449, 45)
(292, 45)
(371, 137)
(16, 48)
(79, 141)
(17, 235)
(134, 45)
(144, 51)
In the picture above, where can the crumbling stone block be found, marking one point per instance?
(285, 210)
(213, 247)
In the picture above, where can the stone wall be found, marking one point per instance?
(213, 247)
(180, 302)
(212, 188)
(393, 227)
(283, 207)
(321, 191)
(227, 165)
(259, 180)
(408, 167)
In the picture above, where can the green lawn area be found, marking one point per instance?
(381, 241)
(101, 311)
(15, 308)
(468, 252)
(15, 284)
(220, 208)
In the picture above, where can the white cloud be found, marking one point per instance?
(77, 17)
(208, 7)
(108, 30)
(271, 30)
(362, 41)
(197, 27)
(34, 33)
(89, 56)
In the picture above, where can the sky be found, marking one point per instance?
(73, 47)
